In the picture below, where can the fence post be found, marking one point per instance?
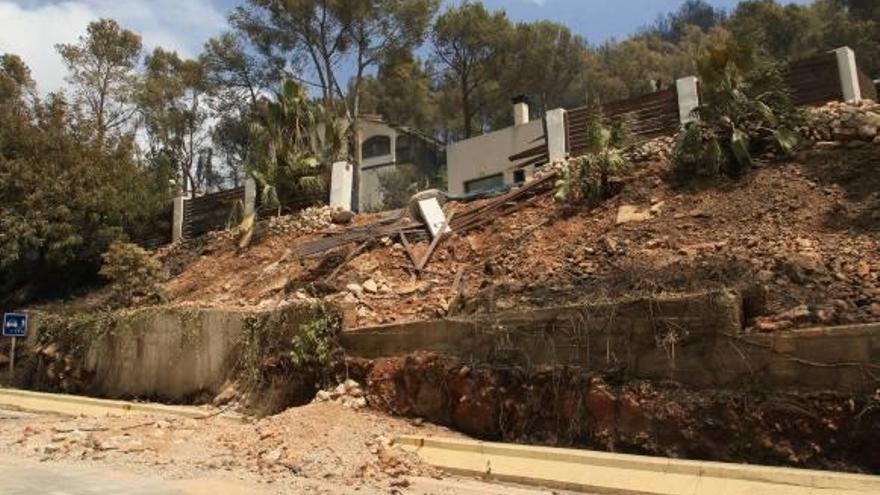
(688, 98)
(341, 184)
(554, 123)
(250, 196)
(177, 220)
(849, 74)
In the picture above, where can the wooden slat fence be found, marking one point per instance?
(299, 201)
(814, 80)
(649, 116)
(209, 212)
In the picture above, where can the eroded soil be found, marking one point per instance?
(806, 228)
(570, 407)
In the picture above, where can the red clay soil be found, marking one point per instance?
(807, 229)
(572, 407)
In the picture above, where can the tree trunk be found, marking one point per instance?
(466, 107)
(356, 132)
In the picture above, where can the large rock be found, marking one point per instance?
(867, 132)
(341, 216)
(632, 213)
(371, 286)
(801, 267)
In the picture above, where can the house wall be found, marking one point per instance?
(422, 154)
(369, 197)
(489, 154)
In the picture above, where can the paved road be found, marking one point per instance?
(19, 477)
(53, 478)
(30, 477)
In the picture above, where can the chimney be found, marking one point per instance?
(520, 109)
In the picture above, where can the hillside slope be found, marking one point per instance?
(805, 229)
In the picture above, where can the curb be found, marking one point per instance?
(75, 405)
(583, 470)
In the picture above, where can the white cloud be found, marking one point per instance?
(32, 31)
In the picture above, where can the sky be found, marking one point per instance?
(32, 28)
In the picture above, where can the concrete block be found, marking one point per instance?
(341, 183)
(177, 220)
(555, 125)
(688, 98)
(520, 113)
(632, 213)
(849, 74)
(250, 197)
(434, 216)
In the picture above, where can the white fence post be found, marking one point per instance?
(688, 98)
(554, 123)
(177, 220)
(250, 196)
(341, 183)
(849, 74)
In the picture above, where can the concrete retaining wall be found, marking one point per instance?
(170, 353)
(176, 354)
(695, 340)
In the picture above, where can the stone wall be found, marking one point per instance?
(844, 123)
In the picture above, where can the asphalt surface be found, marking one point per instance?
(25, 478)
(28, 477)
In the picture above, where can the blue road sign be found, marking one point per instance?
(15, 325)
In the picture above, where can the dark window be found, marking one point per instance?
(376, 146)
(519, 176)
(483, 184)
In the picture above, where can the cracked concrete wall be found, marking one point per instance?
(695, 339)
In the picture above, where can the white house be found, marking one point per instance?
(385, 147)
(507, 156)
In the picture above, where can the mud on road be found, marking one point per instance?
(318, 448)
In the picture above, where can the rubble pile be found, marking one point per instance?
(307, 221)
(347, 394)
(657, 149)
(297, 448)
(852, 124)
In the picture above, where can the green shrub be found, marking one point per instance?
(135, 276)
(268, 345)
(317, 343)
(587, 179)
(747, 109)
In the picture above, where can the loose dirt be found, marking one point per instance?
(804, 229)
(574, 407)
(322, 447)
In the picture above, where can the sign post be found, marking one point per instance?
(14, 325)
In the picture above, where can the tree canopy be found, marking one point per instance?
(99, 160)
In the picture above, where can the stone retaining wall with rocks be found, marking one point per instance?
(837, 123)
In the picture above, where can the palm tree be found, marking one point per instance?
(292, 138)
